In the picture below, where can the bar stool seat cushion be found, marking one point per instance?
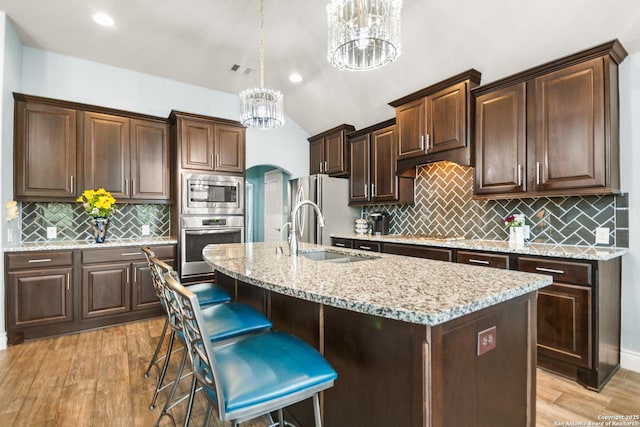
(268, 366)
(233, 319)
(209, 293)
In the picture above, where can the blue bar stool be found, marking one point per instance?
(254, 376)
(209, 293)
(225, 323)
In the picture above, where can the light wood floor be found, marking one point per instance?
(96, 379)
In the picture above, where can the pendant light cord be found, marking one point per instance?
(261, 43)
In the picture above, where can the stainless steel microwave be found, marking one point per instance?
(212, 194)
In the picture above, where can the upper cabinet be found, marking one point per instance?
(434, 123)
(328, 152)
(373, 160)
(551, 130)
(208, 144)
(62, 148)
(45, 163)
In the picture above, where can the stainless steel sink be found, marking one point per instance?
(336, 257)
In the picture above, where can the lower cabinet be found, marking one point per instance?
(438, 254)
(51, 293)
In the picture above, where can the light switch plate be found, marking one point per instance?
(145, 230)
(527, 232)
(602, 235)
(52, 232)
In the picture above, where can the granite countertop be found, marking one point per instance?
(90, 244)
(410, 289)
(594, 253)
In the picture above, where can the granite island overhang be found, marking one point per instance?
(414, 341)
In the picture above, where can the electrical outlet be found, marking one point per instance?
(145, 230)
(52, 232)
(602, 235)
(486, 340)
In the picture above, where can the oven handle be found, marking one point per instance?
(213, 231)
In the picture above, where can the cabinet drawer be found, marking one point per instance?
(129, 253)
(367, 246)
(38, 259)
(438, 254)
(342, 243)
(486, 260)
(578, 273)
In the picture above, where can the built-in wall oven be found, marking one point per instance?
(211, 194)
(200, 231)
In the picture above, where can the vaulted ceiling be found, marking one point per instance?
(198, 41)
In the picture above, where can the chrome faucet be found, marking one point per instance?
(293, 238)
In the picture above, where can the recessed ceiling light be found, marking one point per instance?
(295, 78)
(103, 19)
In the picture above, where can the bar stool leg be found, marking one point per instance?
(192, 398)
(154, 358)
(316, 410)
(164, 370)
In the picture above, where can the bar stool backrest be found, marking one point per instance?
(170, 303)
(155, 277)
(195, 336)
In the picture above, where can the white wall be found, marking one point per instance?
(63, 77)
(10, 66)
(630, 180)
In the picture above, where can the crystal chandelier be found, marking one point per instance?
(261, 108)
(363, 34)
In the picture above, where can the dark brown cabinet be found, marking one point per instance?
(418, 251)
(39, 292)
(63, 148)
(551, 130)
(373, 163)
(209, 144)
(483, 259)
(328, 153)
(45, 150)
(434, 123)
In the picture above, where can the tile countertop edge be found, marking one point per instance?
(85, 244)
(592, 253)
(428, 319)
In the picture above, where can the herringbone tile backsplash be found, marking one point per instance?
(444, 206)
(73, 223)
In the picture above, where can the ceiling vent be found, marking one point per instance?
(241, 70)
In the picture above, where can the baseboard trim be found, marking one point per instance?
(3, 341)
(630, 360)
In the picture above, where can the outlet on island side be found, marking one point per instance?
(602, 235)
(145, 230)
(486, 340)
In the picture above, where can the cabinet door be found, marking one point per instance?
(107, 153)
(334, 154)
(501, 141)
(229, 148)
(149, 160)
(359, 160)
(45, 151)
(564, 322)
(316, 156)
(447, 119)
(410, 119)
(570, 146)
(143, 291)
(39, 297)
(384, 183)
(105, 289)
(196, 138)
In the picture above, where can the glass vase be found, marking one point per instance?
(516, 237)
(100, 228)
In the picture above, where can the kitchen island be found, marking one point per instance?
(415, 342)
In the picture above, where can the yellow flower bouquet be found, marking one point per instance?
(98, 203)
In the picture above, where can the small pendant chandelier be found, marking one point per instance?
(363, 34)
(261, 108)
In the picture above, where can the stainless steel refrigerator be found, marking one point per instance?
(332, 196)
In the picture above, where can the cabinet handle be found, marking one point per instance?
(365, 247)
(478, 261)
(422, 142)
(72, 186)
(366, 191)
(519, 175)
(126, 186)
(342, 245)
(130, 253)
(127, 275)
(133, 185)
(549, 270)
(373, 190)
(68, 280)
(325, 167)
(429, 142)
(217, 160)
(320, 167)
(538, 173)
(33, 261)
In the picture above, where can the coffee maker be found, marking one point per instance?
(379, 223)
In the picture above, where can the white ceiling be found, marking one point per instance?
(197, 41)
